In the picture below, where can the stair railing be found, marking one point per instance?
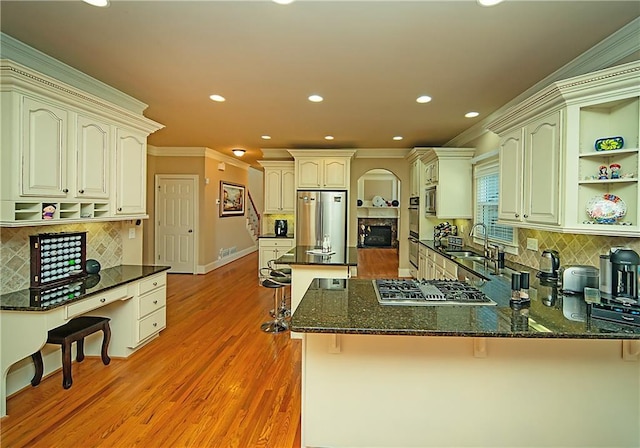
(253, 215)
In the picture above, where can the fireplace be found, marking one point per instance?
(377, 232)
(378, 236)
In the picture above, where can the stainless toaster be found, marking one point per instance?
(576, 278)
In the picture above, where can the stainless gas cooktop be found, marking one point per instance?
(428, 292)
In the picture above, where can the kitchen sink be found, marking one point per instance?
(469, 257)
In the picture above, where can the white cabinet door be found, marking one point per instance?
(335, 173)
(279, 190)
(543, 153)
(44, 149)
(93, 159)
(272, 190)
(323, 173)
(131, 173)
(309, 173)
(288, 190)
(511, 158)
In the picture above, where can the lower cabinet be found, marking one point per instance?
(272, 249)
(439, 267)
(151, 304)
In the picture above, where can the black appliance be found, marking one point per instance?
(624, 273)
(281, 227)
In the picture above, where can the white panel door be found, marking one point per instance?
(176, 217)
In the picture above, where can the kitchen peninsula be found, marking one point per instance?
(421, 376)
(132, 296)
(306, 264)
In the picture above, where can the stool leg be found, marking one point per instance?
(80, 350)
(278, 324)
(106, 337)
(37, 361)
(66, 365)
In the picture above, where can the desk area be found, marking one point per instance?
(133, 297)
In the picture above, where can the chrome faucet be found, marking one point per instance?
(487, 255)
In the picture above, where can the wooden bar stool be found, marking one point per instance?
(73, 331)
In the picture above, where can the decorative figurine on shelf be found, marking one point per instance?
(48, 210)
(615, 170)
(603, 172)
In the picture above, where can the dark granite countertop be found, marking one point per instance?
(342, 256)
(273, 235)
(351, 307)
(50, 297)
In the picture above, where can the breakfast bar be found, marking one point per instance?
(546, 374)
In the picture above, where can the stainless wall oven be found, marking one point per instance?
(414, 229)
(414, 217)
(413, 251)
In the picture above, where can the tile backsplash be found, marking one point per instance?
(573, 249)
(104, 243)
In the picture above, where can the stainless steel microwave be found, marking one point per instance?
(430, 201)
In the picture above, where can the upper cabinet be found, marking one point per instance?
(279, 186)
(315, 171)
(417, 172)
(68, 156)
(530, 172)
(569, 155)
(131, 161)
(449, 171)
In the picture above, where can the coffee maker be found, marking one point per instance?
(624, 273)
(281, 227)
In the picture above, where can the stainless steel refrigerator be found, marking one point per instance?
(321, 213)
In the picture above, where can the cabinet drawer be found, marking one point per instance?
(273, 242)
(151, 324)
(151, 283)
(96, 301)
(152, 302)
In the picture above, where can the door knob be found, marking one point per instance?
(190, 231)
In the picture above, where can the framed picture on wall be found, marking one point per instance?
(231, 199)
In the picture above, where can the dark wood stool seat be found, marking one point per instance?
(73, 331)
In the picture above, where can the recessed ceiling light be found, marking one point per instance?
(328, 137)
(218, 98)
(471, 114)
(100, 3)
(487, 2)
(283, 2)
(315, 98)
(423, 99)
(238, 152)
(397, 137)
(265, 137)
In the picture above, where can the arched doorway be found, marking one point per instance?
(378, 224)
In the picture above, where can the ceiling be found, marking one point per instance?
(370, 60)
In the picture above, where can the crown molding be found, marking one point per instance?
(208, 153)
(22, 53)
(382, 153)
(606, 53)
(311, 152)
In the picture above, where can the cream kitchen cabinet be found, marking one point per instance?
(550, 170)
(59, 147)
(316, 171)
(272, 249)
(279, 186)
(530, 172)
(131, 169)
(449, 171)
(93, 159)
(43, 146)
(151, 308)
(416, 173)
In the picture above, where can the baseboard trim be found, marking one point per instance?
(204, 269)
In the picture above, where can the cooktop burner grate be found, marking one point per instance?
(428, 292)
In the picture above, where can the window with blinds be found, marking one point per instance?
(486, 204)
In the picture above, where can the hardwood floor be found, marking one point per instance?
(212, 378)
